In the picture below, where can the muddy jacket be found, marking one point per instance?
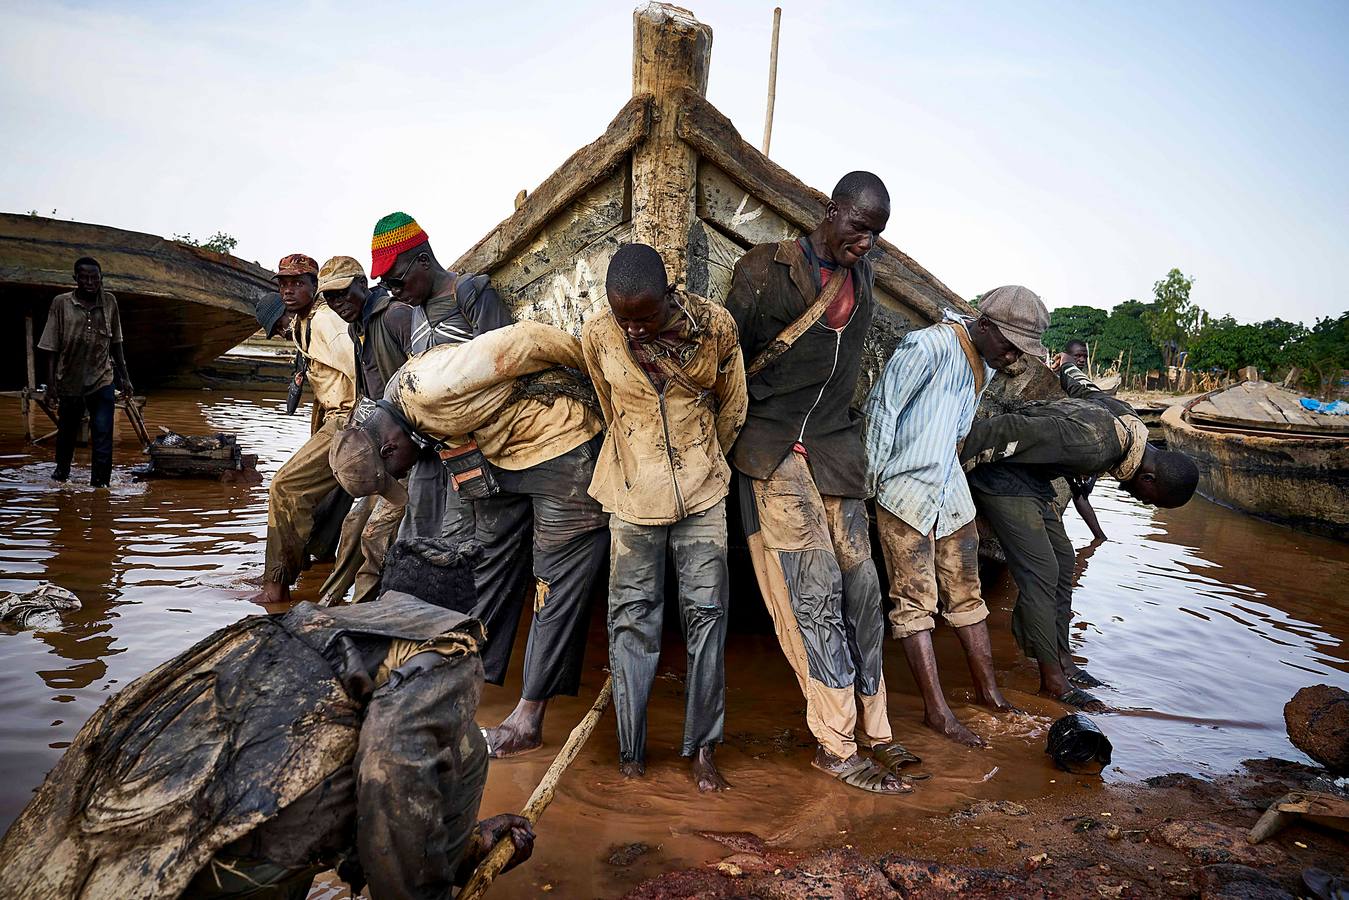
(323, 339)
(1020, 453)
(664, 455)
(806, 394)
(206, 748)
(462, 392)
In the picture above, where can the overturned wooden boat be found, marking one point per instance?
(1260, 452)
(181, 306)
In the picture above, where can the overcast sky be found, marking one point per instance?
(1082, 149)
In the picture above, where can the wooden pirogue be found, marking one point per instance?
(181, 306)
(1260, 452)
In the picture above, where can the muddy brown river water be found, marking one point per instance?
(1203, 621)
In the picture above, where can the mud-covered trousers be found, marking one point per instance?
(636, 615)
(412, 794)
(812, 558)
(101, 405)
(373, 525)
(434, 508)
(1041, 559)
(544, 509)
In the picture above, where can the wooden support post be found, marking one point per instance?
(772, 81)
(29, 354)
(671, 51)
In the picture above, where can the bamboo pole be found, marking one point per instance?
(501, 854)
(772, 81)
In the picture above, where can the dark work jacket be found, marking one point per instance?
(383, 335)
(1073, 437)
(806, 393)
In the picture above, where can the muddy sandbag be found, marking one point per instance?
(1317, 719)
(1075, 740)
(39, 609)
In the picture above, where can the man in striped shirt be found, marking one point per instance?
(919, 411)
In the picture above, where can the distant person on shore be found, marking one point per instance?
(85, 369)
(667, 368)
(447, 308)
(276, 748)
(803, 308)
(1014, 458)
(306, 478)
(919, 411)
(1075, 352)
(516, 422)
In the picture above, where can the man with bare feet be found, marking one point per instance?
(919, 410)
(320, 334)
(667, 368)
(517, 425)
(803, 308)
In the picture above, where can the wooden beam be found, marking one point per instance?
(671, 53)
(715, 138)
(584, 169)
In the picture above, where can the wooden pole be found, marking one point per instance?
(772, 81)
(28, 353)
(501, 854)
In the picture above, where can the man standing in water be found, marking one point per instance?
(1014, 458)
(85, 369)
(670, 378)
(306, 478)
(919, 411)
(803, 308)
(447, 308)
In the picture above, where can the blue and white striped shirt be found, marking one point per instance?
(919, 409)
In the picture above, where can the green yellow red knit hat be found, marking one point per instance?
(394, 233)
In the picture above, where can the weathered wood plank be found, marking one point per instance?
(735, 211)
(715, 138)
(712, 258)
(583, 170)
(573, 291)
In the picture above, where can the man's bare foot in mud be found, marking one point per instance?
(948, 726)
(521, 732)
(633, 768)
(851, 771)
(705, 773)
(272, 592)
(997, 703)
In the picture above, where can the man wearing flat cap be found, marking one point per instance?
(320, 334)
(919, 411)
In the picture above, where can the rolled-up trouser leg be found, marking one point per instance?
(636, 613)
(802, 585)
(1063, 590)
(421, 765)
(296, 489)
(698, 544)
(910, 561)
(863, 618)
(1019, 523)
(349, 555)
(504, 527)
(380, 531)
(570, 539)
(957, 560)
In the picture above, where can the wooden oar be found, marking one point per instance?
(137, 420)
(504, 849)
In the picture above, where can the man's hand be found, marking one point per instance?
(1060, 360)
(495, 829)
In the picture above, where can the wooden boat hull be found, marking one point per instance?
(181, 306)
(1302, 481)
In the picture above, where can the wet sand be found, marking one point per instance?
(1203, 621)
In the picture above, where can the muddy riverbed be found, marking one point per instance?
(1203, 621)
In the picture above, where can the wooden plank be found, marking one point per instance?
(732, 209)
(572, 292)
(715, 138)
(712, 259)
(583, 170)
(1287, 404)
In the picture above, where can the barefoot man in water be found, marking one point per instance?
(803, 308)
(519, 433)
(919, 410)
(671, 383)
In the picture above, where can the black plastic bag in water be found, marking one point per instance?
(1075, 740)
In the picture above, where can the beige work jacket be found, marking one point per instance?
(322, 337)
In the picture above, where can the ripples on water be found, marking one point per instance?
(1203, 621)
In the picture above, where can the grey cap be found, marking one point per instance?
(1020, 315)
(269, 311)
(357, 466)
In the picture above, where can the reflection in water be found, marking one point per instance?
(1203, 621)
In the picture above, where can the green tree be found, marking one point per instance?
(1173, 319)
(1323, 351)
(1228, 345)
(1083, 323)
(1124, 333)
(220, 242)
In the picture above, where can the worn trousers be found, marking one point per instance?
(697, 544)
(434, 508)
(930, 575)
(371, 527)
(1041, 559)
(544, 509)
(100, 404)
(296, 490)
(812, 558)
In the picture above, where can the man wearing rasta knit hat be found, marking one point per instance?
(447, 308)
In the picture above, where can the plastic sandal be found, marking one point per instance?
(870, 777)
(1078, 698)
(1083, 678)
(893, 756)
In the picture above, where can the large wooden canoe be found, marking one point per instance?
(1258, 451)
(181, 306)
